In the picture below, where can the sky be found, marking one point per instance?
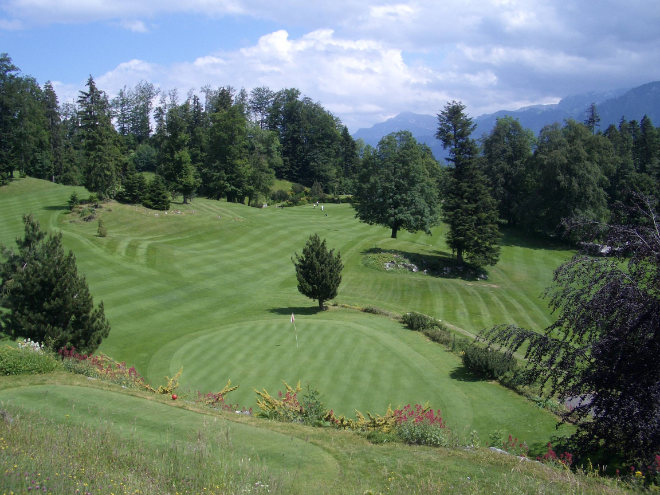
(365, 61)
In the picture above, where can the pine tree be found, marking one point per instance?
(46, 299)
(468, 209)
(318, 270)
(157, 196)
(98, 141)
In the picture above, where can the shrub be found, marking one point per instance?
(283, 408)
(73, 201)
(26, 361)
(380, 437)
(102, 230)
(438, 334)
(419, 321)
(312, 412)
(488, 362)
(102, 367)
(279, 195)
(423, 433)
(421, 426)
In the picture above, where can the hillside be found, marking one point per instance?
(209, 288)
(632, 104)
(63, 433)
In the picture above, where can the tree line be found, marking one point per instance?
(222, 143)
(232, 144)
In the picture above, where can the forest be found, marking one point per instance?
(224, 143)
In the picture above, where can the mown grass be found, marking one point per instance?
(211, 288)
(72, 435)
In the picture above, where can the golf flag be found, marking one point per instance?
(293, 321)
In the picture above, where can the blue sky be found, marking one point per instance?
(364, 61)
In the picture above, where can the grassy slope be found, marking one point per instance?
(100, 438)
(212, 290)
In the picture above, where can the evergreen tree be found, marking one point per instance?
(134, 187)
(101, 153)
(396, 189)
(318, 270)
(55, 131)
(157, 197)
(9, 104)
(593, 118)
(468, 209)
(46, 299)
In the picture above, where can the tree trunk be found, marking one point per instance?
(395, 229)
(459, 256)
(321, 307)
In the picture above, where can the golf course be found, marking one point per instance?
(210, 287)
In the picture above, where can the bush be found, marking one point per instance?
(379, 437)
(438, 334)
(73, 201)
(102, 230)
(26, 361)
(423, 433)
(488, 362)
(312, 412)
(419, 321)
(279, 195)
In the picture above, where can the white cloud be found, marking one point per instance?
(375, 58)
(135, 26)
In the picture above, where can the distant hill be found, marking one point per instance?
(632, 104)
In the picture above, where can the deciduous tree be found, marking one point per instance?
(396, 187)
(602, 352)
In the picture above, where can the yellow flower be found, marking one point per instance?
(638, 474)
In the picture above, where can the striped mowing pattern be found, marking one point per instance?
(210, 286)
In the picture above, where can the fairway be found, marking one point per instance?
(212, 288)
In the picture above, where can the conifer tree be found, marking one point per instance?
(468, 208)
(318, 270)
(98, 141)
(157, 196)
(47, 300)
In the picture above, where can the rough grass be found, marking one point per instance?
(212, 287)
(73, 435)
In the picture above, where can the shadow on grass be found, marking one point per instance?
(437, 264)
(463, 374)
(512, 236)
(297, 310)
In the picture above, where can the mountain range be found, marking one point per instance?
(632, 104)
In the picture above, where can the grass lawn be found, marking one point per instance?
(212, 287)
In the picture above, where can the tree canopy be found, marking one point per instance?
(602, 352)
(397, 187)
(47, 300)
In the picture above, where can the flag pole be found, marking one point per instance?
(293, 320)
